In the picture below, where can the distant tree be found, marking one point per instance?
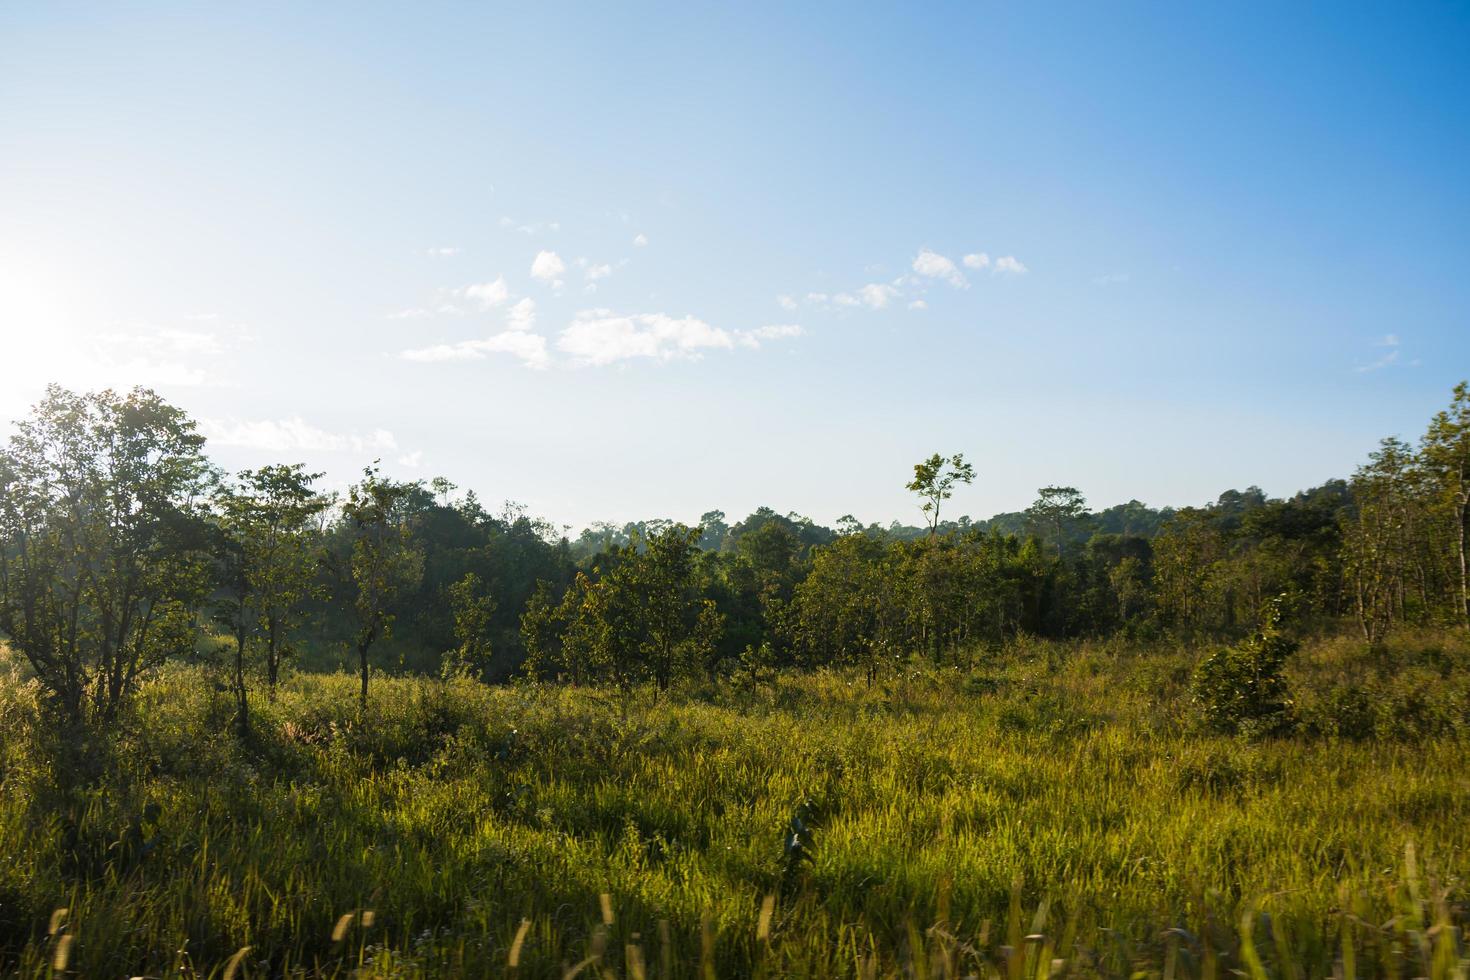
(934, 480)
(713, 529)
(1055, 513)
(385, 564)
(103, 555)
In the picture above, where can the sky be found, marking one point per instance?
(619, 262)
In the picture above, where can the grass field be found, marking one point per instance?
(1051, 809)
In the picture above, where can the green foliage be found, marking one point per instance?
(103, 558)
(934, 481)
(385, 563)
(473, 609)
(1243, 689)
(451, 811)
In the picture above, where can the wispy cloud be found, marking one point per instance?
(601, 337)
(1386, 360)
(1110, 279)
(522, 315)
(529, 347)
(488, 294)
(1390, 344)
(292, 435)
(932, 265)
(976, 260)
(442, 251)
(640, 239)
(775, 331)
(1010, 265)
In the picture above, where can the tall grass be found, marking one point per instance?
(1049, 810)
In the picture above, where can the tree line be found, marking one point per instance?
(122, 546)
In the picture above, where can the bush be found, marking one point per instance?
(1242, 689)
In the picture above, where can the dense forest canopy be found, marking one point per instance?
(121, 547)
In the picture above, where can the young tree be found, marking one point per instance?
(268, 563)
(472, 608)
(1378, 538)
(103, 556)
(934, 481)
(1446, 455)
(385, 563)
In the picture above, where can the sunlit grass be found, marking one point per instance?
(1057, 793)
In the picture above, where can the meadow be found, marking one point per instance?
(1048, 809)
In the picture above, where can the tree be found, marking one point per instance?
(472, 608)
(682, 626)
(268, 562)
(1378, 538)
(1055, 512)
(934, 481)
(847, 607)
(385, 563)
(103, 556)
(1446, 454)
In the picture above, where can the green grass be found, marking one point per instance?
(1058, 793)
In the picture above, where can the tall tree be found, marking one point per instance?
(1446, 454)
(269, 563)
(103, 556)
(385, 563)
(934, 480)
(1054, 514)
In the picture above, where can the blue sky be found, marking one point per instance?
(648, 261)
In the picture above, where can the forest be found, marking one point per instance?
(253, 728)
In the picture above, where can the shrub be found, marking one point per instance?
(1242, 689)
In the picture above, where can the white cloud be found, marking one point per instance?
(522, 315)
(548, 267)
(443, 251)
(1388, 340)
(877, 294)
(292, 435)
(602, 337)
(786, 302)
(640, 239)
(846, 299)
(529, 347)
(976, 260)
(412, 460)
(816, 297)
(600, 271)
(488, 294)
(932, 265)
(1009, 264)
(918, 304)
(775, 331)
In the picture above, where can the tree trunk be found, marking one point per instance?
(364, 643)
(242, 706)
